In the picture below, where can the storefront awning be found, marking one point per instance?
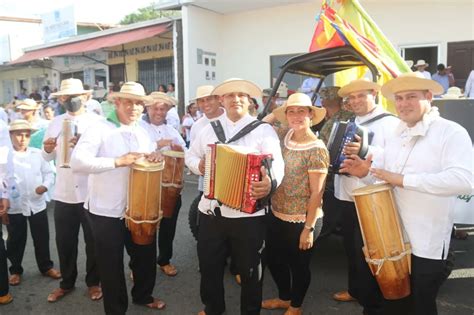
(94, 43)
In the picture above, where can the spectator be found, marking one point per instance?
(469, 89)
(35, 95)
(421, 66)
(48, 112)
(162, 88)
(444, 77)
(170, 89)
(22, 95)
(188, 121)
(92, 106)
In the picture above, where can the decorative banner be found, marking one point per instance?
(345, 23)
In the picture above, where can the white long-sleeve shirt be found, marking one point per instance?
(438, 169)
(95, 156)
(263, 138)
(172, 118)
(6, 161)
(383, 130)
(31, 171)
(469, 88)
(163, 131)
(70, 187)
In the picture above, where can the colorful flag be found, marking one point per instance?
(345, 23)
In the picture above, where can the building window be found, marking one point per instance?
(429, 53)
(153, 72)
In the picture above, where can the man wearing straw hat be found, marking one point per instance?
(221, 225)
(429, 162)
(29, 110)
(105, 152)
(420, 67)
(33, 178)
(166, 138)
(70, 193)
(361, 95)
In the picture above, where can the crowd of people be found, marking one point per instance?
(293, 193)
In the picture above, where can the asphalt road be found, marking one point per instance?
(181, 293)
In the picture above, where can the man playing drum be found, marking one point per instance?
(429, 161)
(167, 138)
(361, 95)
(105, 153)
(70, 192)
(221, 225)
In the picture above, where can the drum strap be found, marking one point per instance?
(379, 262)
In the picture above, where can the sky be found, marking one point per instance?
(99, 11)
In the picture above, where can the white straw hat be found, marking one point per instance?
(20, 124)
(303, 100)
(131, 90)
(236, 85)
(410, 81)
(160, 96)
(203, 91)
(28, 104)
(71, 87)
(358, 85)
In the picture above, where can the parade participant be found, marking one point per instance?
(167, 138)
(188, 121)
(6, 179)
(29, 111)
(104, 153)
(421, 66)
(70, 192)
(33, 178)
(221, 225)
(172, 117)
(361, 95)
(425, 188)
(296, 217)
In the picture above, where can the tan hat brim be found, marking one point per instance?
(237, 86)
(355, 86)
(146, 99)
(318, 113)
(71, 92)
(27, 107)
(402, 84)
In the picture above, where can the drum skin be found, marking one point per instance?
(172, 182)
(385, 250)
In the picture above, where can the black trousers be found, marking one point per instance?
(166, 235)
(111, 236)
(16, 242)
(3, 266)
(288, 264)
(68, 218)
(361, 283)
(246, 237)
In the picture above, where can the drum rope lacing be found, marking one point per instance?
(379, 262)
(141, 221)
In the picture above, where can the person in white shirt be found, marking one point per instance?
(188, 121)
(29, 111)
(70, 193)
(172, 117)
(428, 160)
(33, 178)
(421, 66)
(166, 138)
(361, 95)
(469, 88)
(6, 178)
(221, 225)
(3, 115)
(105, 152)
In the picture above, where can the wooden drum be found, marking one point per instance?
(173, 181)
(385, 250)
(144, 201)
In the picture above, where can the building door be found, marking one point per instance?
(154, 72)
(117, 73)
(461, 59)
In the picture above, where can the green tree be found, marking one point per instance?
(145, 14)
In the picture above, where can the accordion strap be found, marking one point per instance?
(219, 130)
(376, 118)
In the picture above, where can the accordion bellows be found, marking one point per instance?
(229, 171)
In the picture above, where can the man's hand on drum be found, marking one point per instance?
(154, 157)
(355, 166)
(127, 159)
(394, 179)
(177, 147)
(262, 188)
(352, 147)
(49, 145)
(164, 143)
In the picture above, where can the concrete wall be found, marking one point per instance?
(33, 77)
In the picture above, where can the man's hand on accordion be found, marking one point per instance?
(262, 188)
(353, 147)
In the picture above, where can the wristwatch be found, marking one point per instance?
(308, 227)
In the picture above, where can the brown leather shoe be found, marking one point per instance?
(94, 292)
(53, 273)
(202, 313)
(15, 279)
(238, 279)
(293, 311)
(169, 270)
(58, 294)
(343, 296)
(156, 304)
(273, 304)
(5, 299)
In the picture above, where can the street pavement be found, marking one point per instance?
(181, 293)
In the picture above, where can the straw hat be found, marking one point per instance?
(203, 91)
(237, 85)
(71, 87)
(358, 85)
(420, 63)
(453, 93)
(20, 124)
(303, 100)
(28, 104)
(131, 90)
(410, 81)
(163, 97)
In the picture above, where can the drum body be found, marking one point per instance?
(385, 250)
(144, 201)
(68, 131)
(172, 182)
